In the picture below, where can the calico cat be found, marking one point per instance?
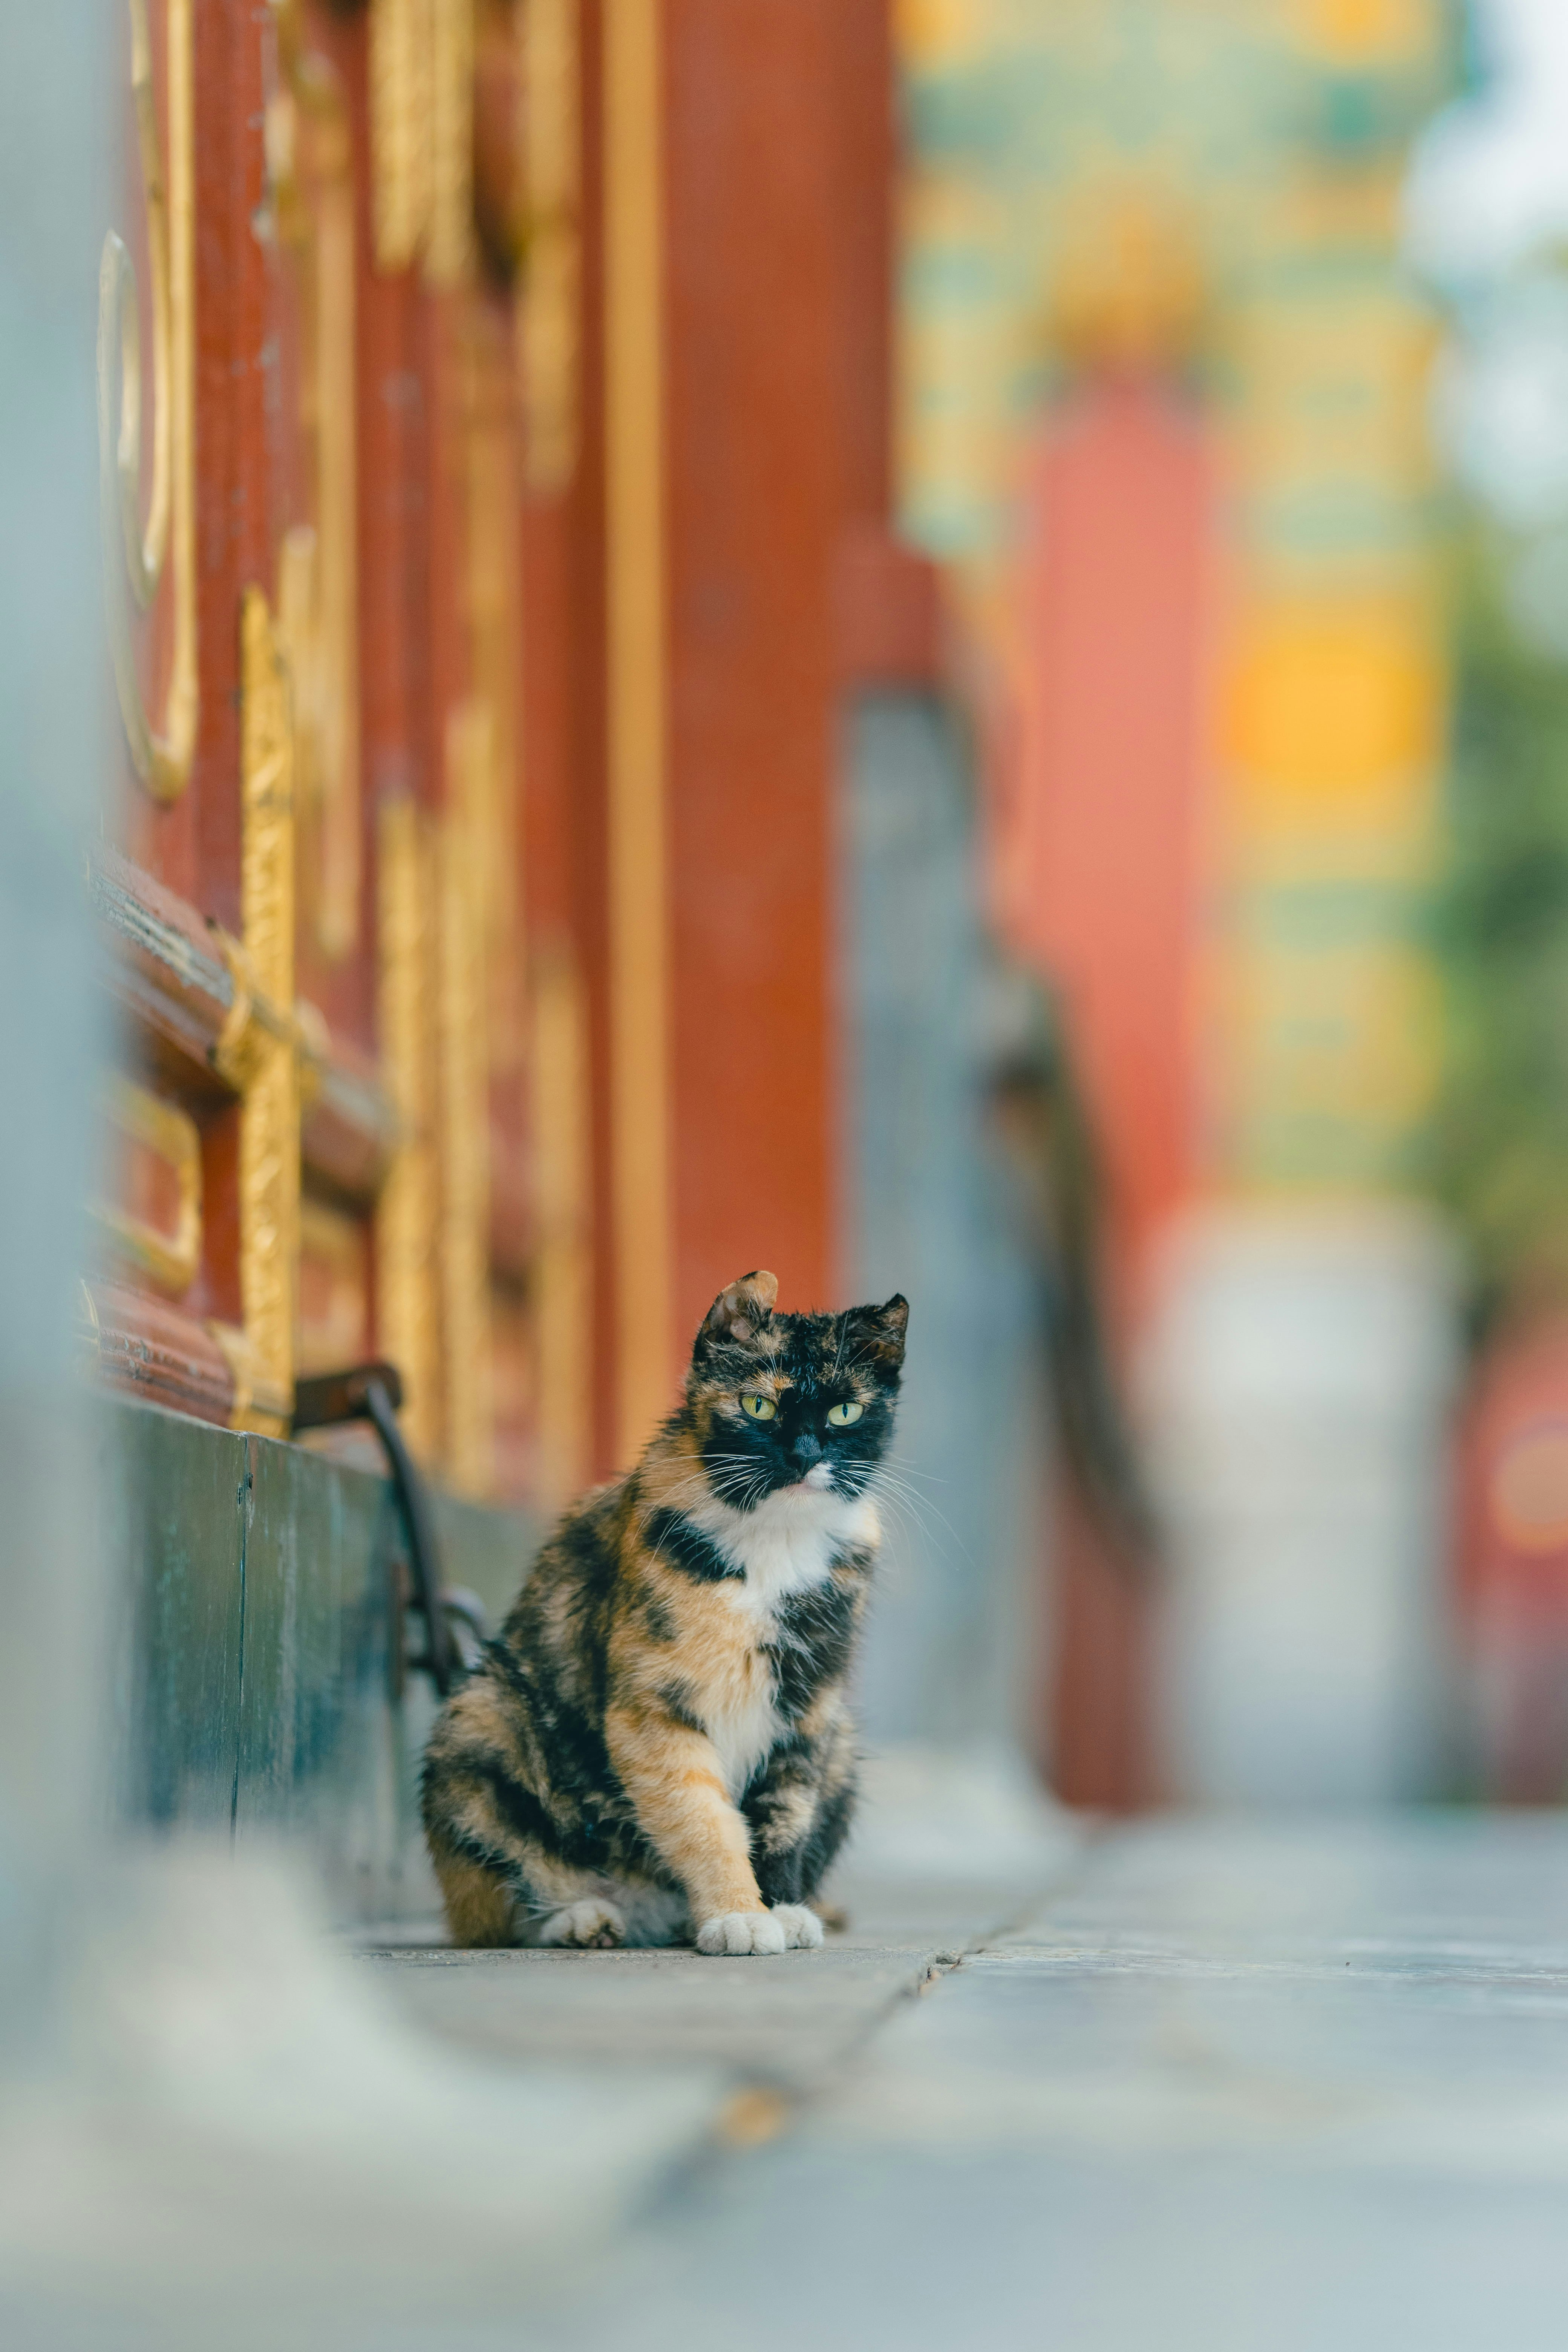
(657, 1745)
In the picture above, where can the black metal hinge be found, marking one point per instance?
(454, 1621)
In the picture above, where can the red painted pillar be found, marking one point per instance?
(753, 501)
(1120, 525)
(1100, 861)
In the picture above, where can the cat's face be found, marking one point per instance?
(793, 1401)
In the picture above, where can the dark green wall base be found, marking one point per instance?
(251, 1660)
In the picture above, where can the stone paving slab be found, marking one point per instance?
(1421, 1889)
(785, 2023)
(1300, 2087)
(1080, 2252)
(1393, 1997)
(1294, 2087)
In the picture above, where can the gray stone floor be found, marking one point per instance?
(1257, 2088)
(1292, 2087)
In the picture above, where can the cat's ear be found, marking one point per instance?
(876, 1336)
(739, 1314)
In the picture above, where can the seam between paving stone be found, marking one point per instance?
(938, 1963)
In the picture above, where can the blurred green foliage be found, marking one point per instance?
(1501, 1138)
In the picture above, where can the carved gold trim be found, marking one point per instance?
(170, 1260)
(493, 590)
(635, 493)
(422, 136)
(144, 551)
(311, 162)
(547, 313)
(562, 1269)
(449, 250)
(134, 555)
(234, 1346)
(333, 1245)
(400, 128)
(405, 1285)
(465, 1113)
(251, 1053)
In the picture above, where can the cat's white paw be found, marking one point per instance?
(802, 1928)
(589, 1924)
(742, 1931)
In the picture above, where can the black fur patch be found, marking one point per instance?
(676, 1698)
(685, 1547)
(795, 1874)
(815, 1633)
(658, 1622)
(825, 1836)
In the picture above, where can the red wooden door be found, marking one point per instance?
(340, 432)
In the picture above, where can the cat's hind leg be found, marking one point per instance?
(591, 1923)
(602, 1913)
(480, 1907)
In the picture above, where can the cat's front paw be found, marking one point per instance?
(801, 1928)
(742, 1931)
(589, 1925)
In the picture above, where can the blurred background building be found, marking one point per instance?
(923, 645)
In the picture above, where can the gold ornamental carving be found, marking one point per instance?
(464, 1124)
(400, 128)
(169, 1259)
(486, 771)
(422, 126)
(634, 456)
(562, 1267)
(449, 248)
(408, 1328)
(548, 308)
(136, 554)
(259, 1051)
(310, 169)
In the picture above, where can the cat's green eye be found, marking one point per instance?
(841, 1415)
(761, 1408)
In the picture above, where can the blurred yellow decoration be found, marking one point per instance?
(1335, 390)
(1349, 1035)
(260, 1049)
(310, 160)
(939, 32)
(134, 555)
(1365, 32)
(1334, 706)
(1128, 292)
(562, 1262)
(333, 1285)
(463, 1104)
(422, 123)
(407, 1304)
(632, 126)
(168, 1134)
(955, 430)
(547, 314)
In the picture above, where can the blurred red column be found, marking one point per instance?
(1101, 859)
(782, 586)
(1513, 1492)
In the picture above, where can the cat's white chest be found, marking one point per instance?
(782, 1548)
(787, 1544)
